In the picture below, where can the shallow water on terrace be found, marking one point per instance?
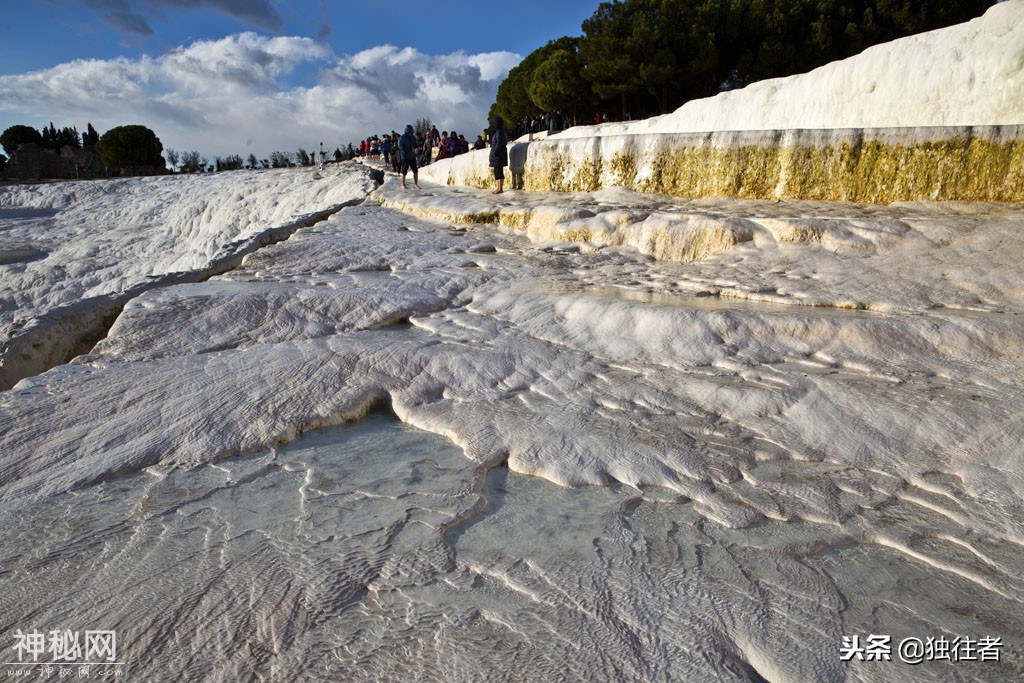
(362, 551)
(16, 213)
(249, 555)
(376, 551)
(700, 302)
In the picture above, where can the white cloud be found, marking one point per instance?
(231, 95)
(242, 63)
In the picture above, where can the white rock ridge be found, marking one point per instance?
(72, 249)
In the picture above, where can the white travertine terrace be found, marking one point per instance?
(638, 437)
(935, 116)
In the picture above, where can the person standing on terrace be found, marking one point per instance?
(499, 153)
(407, 145)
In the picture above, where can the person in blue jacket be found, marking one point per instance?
(499, 153)
(407, 145)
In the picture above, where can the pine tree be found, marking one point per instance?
(90, 137)
(18, 135)
(69, 137)
(645, 55)
(131, 148)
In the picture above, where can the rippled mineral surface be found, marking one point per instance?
(404, 445)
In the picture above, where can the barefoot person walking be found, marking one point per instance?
(407, 145)
(499, 152)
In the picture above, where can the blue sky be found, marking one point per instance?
(234, 76)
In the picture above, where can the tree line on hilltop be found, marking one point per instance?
(193, 162)
(48, 138)
(135, 149)
(130, 149)
(637, 58)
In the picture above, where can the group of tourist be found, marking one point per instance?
(551, 122)
(431, 146)
(410, 151)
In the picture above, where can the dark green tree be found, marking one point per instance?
(49, 134)
(191, 162)
(90, 137)
(513, 102)
(609, 52)
(16, 136)
(231, 162)
(644, 55)
(698, 35)
(3, 162)
(558, 84)
(654, 54)
(54, 138)
(280, 160)
(130, 148)
(655, 36)
(69, 137)
(252, 161)
(772, 39)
